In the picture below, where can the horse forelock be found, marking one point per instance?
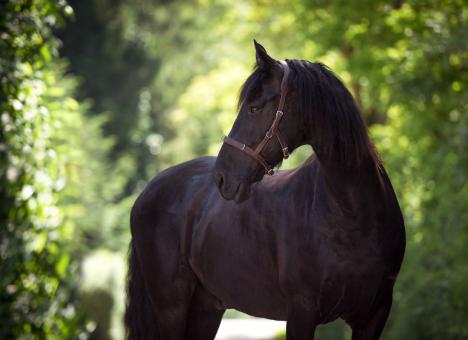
(250, 86)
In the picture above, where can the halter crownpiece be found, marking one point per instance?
(272, 131)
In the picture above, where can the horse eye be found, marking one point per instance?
(254, 109)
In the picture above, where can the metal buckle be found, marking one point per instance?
(270, 172)
(269, 134)
(285, 153)
(279, 113)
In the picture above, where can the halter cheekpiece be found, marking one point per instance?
(272, 131)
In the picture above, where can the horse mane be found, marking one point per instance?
(328, 108)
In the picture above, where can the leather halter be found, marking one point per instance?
(272, 131)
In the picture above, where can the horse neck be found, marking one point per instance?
(342, 180)
(346, 156)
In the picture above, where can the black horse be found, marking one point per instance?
(309, 245)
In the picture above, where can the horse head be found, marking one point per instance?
(266, 130)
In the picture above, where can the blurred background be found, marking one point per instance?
(97, 96)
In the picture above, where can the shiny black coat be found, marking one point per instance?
(309, 245)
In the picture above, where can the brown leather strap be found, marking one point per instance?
(250, 152)
(272, 131)
(282, 142)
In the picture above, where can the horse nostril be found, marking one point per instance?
(219, 179)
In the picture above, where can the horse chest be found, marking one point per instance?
(237, 262)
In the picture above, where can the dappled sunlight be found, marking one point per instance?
(204, 113)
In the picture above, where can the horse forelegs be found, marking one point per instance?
(301, 323)
(374, 327)
(203, 324)
(171, 303)
(204, 316)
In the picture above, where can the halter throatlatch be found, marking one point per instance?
(272, 131)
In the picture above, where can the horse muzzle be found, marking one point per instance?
(231, 189)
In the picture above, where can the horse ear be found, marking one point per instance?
(262, 57)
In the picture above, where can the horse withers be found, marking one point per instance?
(308, 245)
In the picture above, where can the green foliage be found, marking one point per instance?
(90, 183)
(129, 57)
(97, 35)
(36, 271)
(57, 190)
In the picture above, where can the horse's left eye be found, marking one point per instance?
(254, 109)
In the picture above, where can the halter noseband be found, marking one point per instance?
(272, 131)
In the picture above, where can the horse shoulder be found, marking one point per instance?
(170, 192)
